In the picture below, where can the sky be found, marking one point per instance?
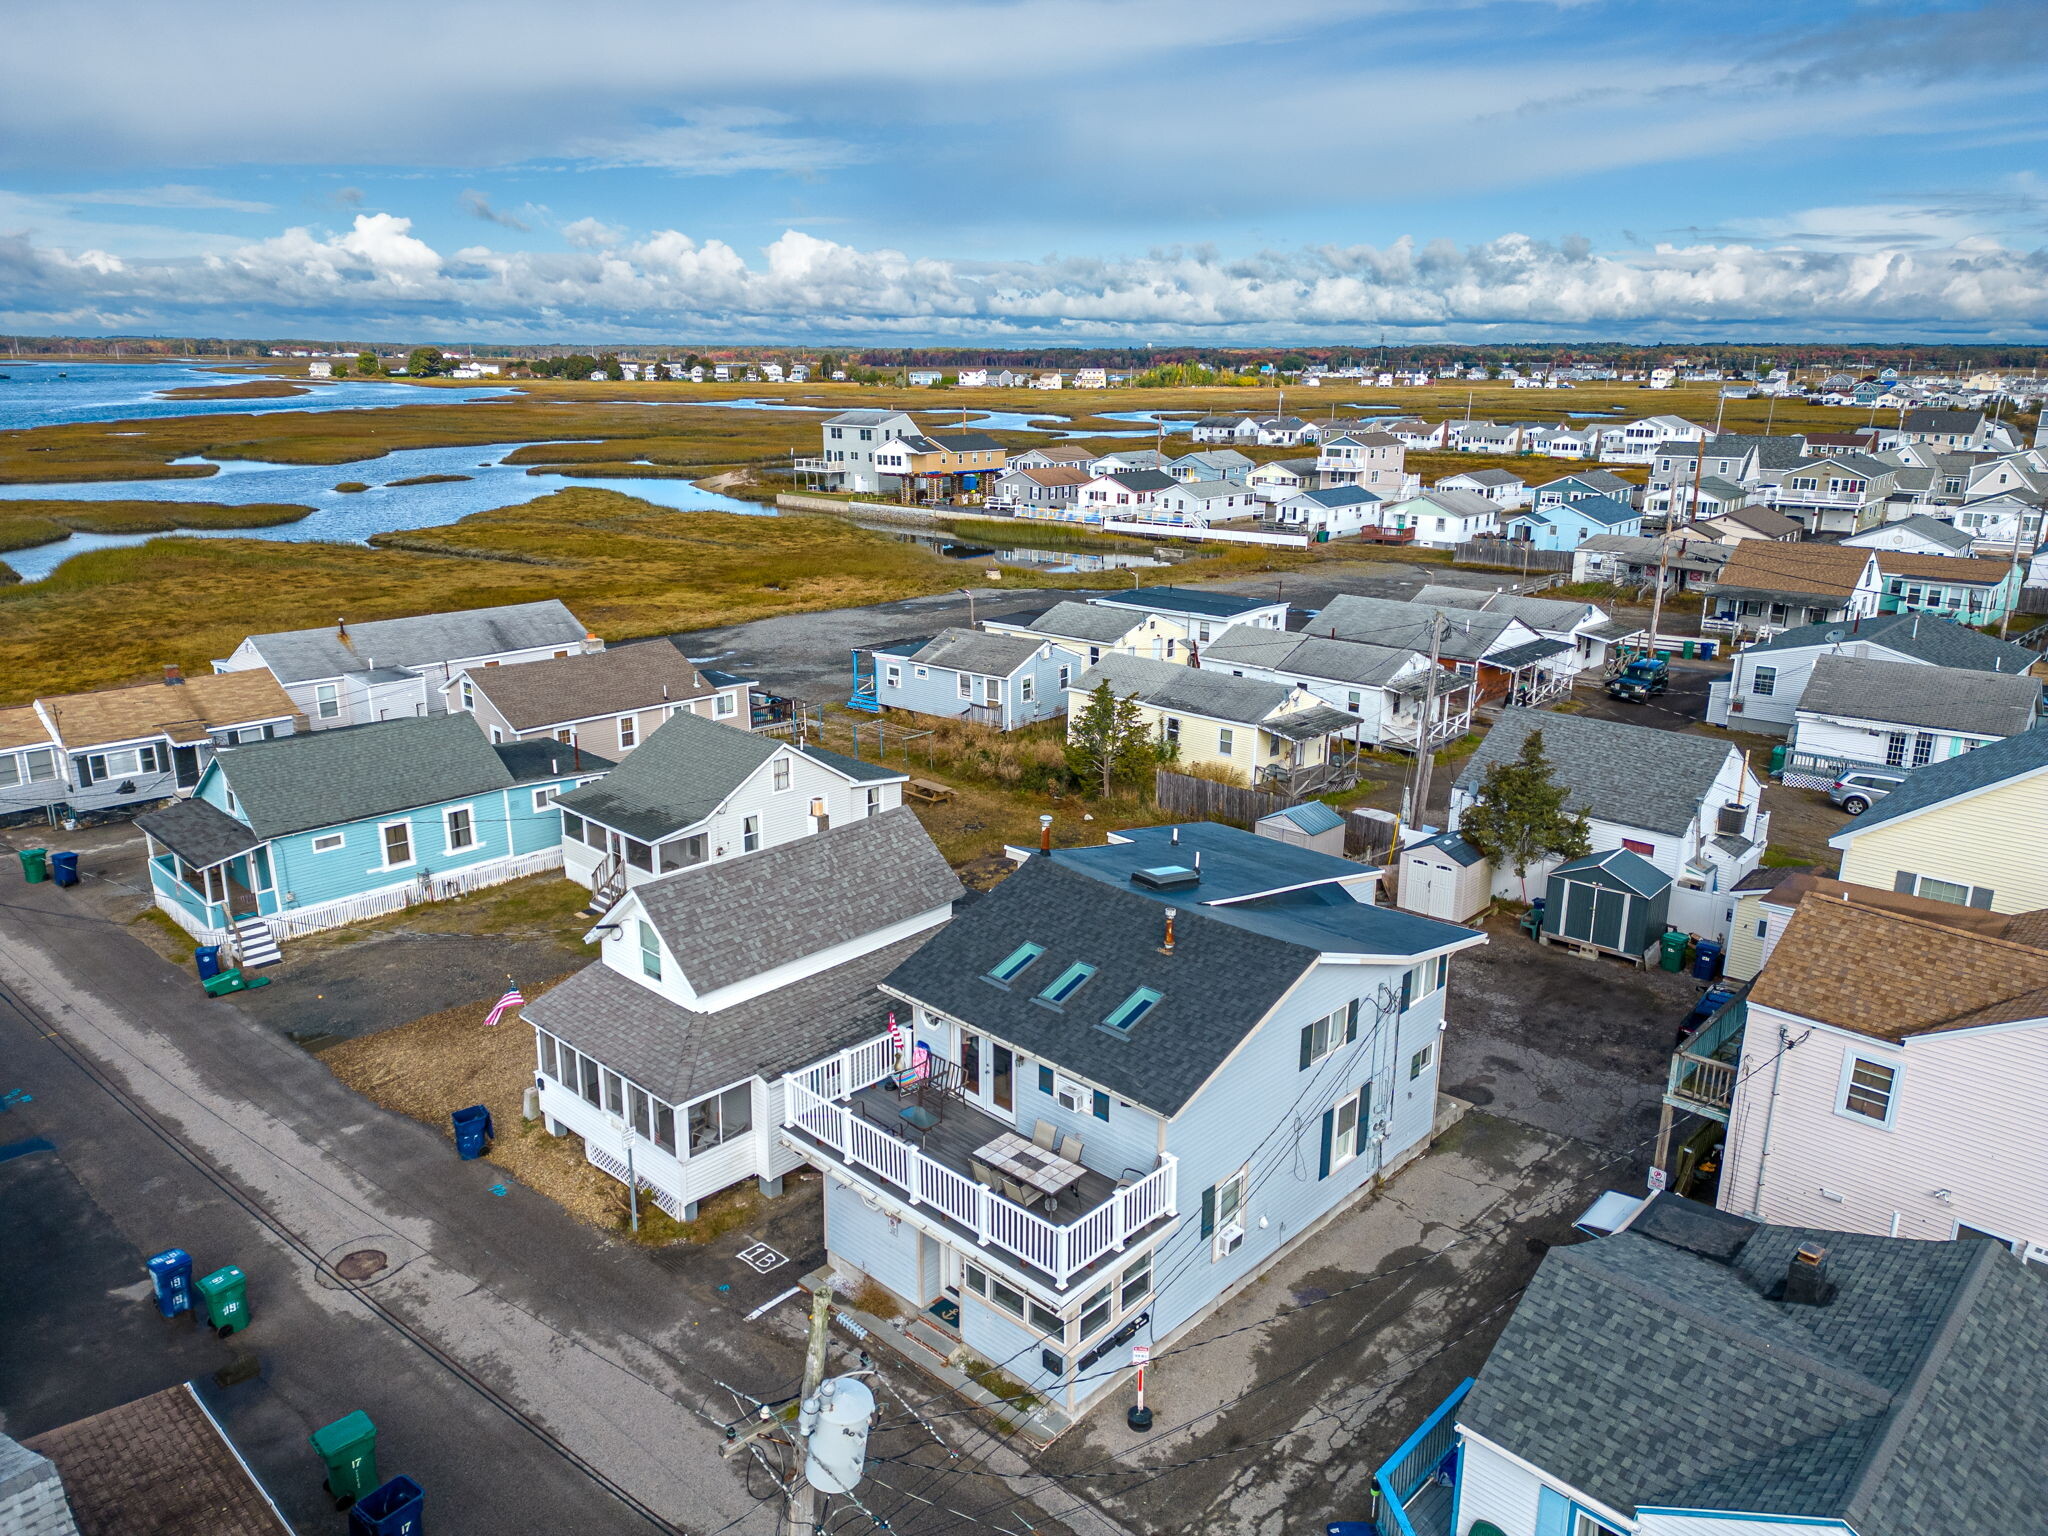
(1027, 172)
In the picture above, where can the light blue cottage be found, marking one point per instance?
(1566, 524)
(1005, 681)
(1138, 1073)
(283, 838)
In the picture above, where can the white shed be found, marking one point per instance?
(1311, 824)
(1445, 877)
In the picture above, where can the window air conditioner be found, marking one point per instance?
(1229, 1239)
(1069, 1094)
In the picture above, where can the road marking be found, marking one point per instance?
(761, 1258)
(770, 1306)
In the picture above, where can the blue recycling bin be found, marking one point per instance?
(170, 1275)
(395, 1509)
(64, 868)
(472, 1131)
(207, 958)
(1706, 960)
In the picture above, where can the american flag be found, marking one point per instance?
(513, 998)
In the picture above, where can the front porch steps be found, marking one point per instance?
(255, 944)
(932, 1338)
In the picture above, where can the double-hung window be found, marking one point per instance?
(1763, 682)
(397, 837)
(1330, 1033)
(779, 774)
(750, 835)
(1869, 1089)
(461, 828)
(629, 732)
(650, 950)
(727, 705)
(1344, 1118)
(1223, 1214)
(327, 700)
(1226, 741)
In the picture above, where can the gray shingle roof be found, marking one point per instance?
(673, 779)
(1193, 690)
(1937, 641)
(1555, 614)
(538, 694)
(1933, 529)
(860, 772)
(972, 650)
(1655, 1371)
(198, 833)
(1528, 655)
(734, 918)
(1086, 621)
(324, 778)
(1633, 775)
(301, 655)
(677, 1055)
(1909, 693)
(1990, 764)
(1383, 621)
(1357, 663)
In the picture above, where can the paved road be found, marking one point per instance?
(177, 1121)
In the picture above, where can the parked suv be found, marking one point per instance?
(1858, 792)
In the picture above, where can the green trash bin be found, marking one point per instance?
(226, 1295)
(35, 865)
(1672, 946)
(349, 1447)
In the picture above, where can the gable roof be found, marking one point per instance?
(1943, 421)
(1539, 613)
(674, 779)
(1455, 502)
(1310, 817)
(1605, 510)
(1631, 775)
(974, 650)
(325, 778)
(1957, 568)
(865, 418)
(1757, 517)
(536, 694)
(1385, 621)
(185, 712)
(1892, 974)
(1483, 477)
(1142, 479)
(734, 918)
(1953, 777)
(1086, 621)
(1203, 691)
(425, 639)
(960, 442)
(1053, 474)
(1824, 570)
(1933, 529)
(1899, 1408)
(1334, 496)
(1924, 636)
(1191, 600)
(1911, 693)
(1060, 453)
(1355, 662)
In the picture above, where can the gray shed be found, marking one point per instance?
(1311, 824)
(1617, 901)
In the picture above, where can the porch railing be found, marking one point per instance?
(1702, 1073)
(813, 1103)
(1424, 1458)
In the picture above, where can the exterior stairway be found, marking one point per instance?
(255, 944)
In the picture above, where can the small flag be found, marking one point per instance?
(512, 999)
(895, 1035)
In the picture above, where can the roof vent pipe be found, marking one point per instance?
(1174, 837)
(1167, 947)
(174, 676)
(1045, 833)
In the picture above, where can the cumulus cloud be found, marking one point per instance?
(671, 284)
(592, 234)
(478, 206)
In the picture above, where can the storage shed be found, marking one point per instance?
(1311, 824)
(1444, 877)
(1617, 901)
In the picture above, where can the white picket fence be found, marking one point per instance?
(1059, 1251)
(460, 882)
(1216, 535)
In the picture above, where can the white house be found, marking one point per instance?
(1092, 633)
(1122, 494)
(1636, 442)
(1444, 519)
(608, 701)
(1860, 710)
(1498, 486)
(1688, 804)
(1198, 503)
(665, 1057)
(1374, 461)
(1335, 511)
(1282, 478)
(846, 461)
(1383, 688)
(1580, 624)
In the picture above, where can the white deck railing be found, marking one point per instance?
(812, 1104)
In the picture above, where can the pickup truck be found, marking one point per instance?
(1641, 680)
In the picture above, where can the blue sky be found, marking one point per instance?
(1027, 171)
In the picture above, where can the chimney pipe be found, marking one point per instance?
(1175, 837)
(1167, 947)
(576, 754)
(554, 765)
(1045, 834)
(341, 630)
(1198, 861)
(1806, 1277)
(174, 677)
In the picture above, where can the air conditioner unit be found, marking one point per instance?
(1229, 1239)
(1069, 1094)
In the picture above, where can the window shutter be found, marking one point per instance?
(1351, 1025)
(1443, 970)
(1407, 989)
(1329, 1130)
(1553, 1513)
(1308, 1046)
(1980, 897)
(1045, 1079)
(1101, 1105)
(1904, 883)
(1209, 1211)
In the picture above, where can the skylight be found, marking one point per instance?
(1068, 982)
(1015, 962)
(1132, 1009)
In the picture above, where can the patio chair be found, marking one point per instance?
(984, 1175)
(1018, 1193)
(1070, 1148)
(1043, 1135)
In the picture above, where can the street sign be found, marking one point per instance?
(1659, 1181)
(1140, 1353)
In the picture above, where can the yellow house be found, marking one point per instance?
(1966, 829)
(943, 464)
(1263, 730)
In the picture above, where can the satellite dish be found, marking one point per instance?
(1837, 636)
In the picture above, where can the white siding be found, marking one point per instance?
(1493, 1487)
(1731, 1525)
(1966, 1121)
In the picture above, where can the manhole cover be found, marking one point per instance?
(361, 1264)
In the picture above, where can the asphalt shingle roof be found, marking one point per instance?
(1086, 621)
(674, 779)
(324, 778)
(198, 832)
(1933, 529)
(733, 918)
(302, 655)
(1383, 621)
(1354, 662)
(1633, 775)
(1193, 690)
(537, 694)
(1923, 636)
(972, 650)
(1654, 1372)
(1205, 605)
(1990, 764)
(1555, 614)
(1909, 693)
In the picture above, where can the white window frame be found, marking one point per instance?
(750, 834)
(779, 775)
(1345, 1135)
(468, 691)
(892, 675)
(963, 683)
(1230, 1230)
(329, 842)
(650, 951)
(327, 701)
(629, 732)
(448, 829)
(544, 798)
(412, 853)
(1226, 741)
(1851, 1060)
(727, 705)
(1334, 1027)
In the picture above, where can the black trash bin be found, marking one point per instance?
(395, 1509)
(472, 1131)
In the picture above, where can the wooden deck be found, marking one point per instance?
(964, 1130)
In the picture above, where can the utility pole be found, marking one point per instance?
(1425, 757)
(1657, 596)
(801, 1515)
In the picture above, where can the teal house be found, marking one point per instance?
(283, 838)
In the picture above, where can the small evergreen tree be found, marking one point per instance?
(1108, 740)
(368, 365)
(1520, 816)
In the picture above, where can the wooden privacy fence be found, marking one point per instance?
(1513, 554)
(1193, 799)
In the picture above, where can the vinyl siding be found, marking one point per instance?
(938, 692)
(1200, 742)
(1733, 1525)
(1966, 1120)
(1970, 841)
(1841, 736)
(1491, 1487)
(868, 1241)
